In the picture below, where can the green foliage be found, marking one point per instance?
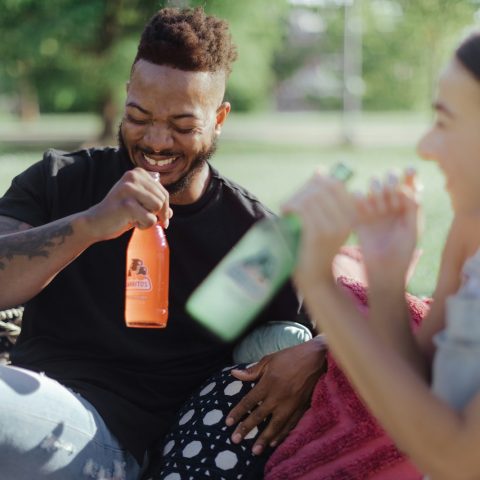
(73, 53)
(405, 44)
(76, 55)
(257, 30)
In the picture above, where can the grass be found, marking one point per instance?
(273, 155)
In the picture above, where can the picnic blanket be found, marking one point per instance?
(338, 438)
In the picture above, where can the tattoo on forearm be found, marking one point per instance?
(33, 243)
(10, 225)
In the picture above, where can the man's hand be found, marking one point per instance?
(286, 380)
(135, 200)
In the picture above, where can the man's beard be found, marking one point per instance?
(197, 164)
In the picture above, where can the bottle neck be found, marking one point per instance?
(292, 222)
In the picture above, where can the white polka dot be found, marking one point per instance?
(192, 449)
(207, 389)
(233, 388)
(212, 417)
(187, 417)
(251, 434)
(226, 460)
(168, 447)
(173, 476)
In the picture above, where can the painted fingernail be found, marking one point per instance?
(375, 185)
(358, 195)
(410, 171)
(392, 179)
(230, 421)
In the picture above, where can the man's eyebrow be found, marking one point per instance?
(138, 107)
(174, 117)
(184, 115)
(442, 108)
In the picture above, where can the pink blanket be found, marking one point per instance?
(337, 438)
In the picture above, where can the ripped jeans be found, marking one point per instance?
(47, 432)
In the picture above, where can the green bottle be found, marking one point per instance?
(250, 274)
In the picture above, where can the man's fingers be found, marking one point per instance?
(247, 404)
(255, 418)
(289, 426)
(140, 217)
(278, 424)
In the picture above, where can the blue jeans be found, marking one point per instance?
(49, 432)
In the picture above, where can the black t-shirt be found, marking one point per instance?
(74, 329)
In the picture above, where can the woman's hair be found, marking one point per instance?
(187, 39)
(468, 53)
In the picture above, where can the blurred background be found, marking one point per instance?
(316, 81)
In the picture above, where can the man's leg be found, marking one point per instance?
(198, 445)
(49, 432)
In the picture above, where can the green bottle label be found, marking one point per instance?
(246, 279)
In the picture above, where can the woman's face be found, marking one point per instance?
(454, 139)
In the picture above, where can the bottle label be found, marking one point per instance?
(254, 274)
(137, 276)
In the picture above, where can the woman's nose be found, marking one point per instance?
(426, 146)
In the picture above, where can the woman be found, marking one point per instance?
(390, 368)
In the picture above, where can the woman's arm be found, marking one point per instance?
(462, 242)
(440, 441)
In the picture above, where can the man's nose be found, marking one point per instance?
(158, 137)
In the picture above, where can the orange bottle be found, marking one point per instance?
(147, 278)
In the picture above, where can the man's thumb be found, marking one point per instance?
(249, 373)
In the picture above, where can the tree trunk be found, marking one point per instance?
(109, 119)
(28, 108)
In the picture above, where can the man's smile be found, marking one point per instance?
(159, 163)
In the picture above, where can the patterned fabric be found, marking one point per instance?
(337, 438)
(10, 325)
(198, 446)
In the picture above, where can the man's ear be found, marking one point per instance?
(221, 115)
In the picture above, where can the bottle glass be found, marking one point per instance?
(251, 273)
(147, 278)
(247, 278)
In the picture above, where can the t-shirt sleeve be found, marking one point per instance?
(27, 197)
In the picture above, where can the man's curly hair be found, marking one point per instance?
(189, 40)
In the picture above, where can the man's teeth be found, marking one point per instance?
(159, 163)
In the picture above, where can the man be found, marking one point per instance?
(87, 396)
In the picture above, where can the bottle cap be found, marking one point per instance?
(155, 176)
(341, 171)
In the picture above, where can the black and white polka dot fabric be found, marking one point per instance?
(199, 447)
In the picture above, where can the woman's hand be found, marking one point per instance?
(327, 212)
(387, 228)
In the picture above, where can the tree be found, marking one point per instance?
(76, 55)
(257, 31)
